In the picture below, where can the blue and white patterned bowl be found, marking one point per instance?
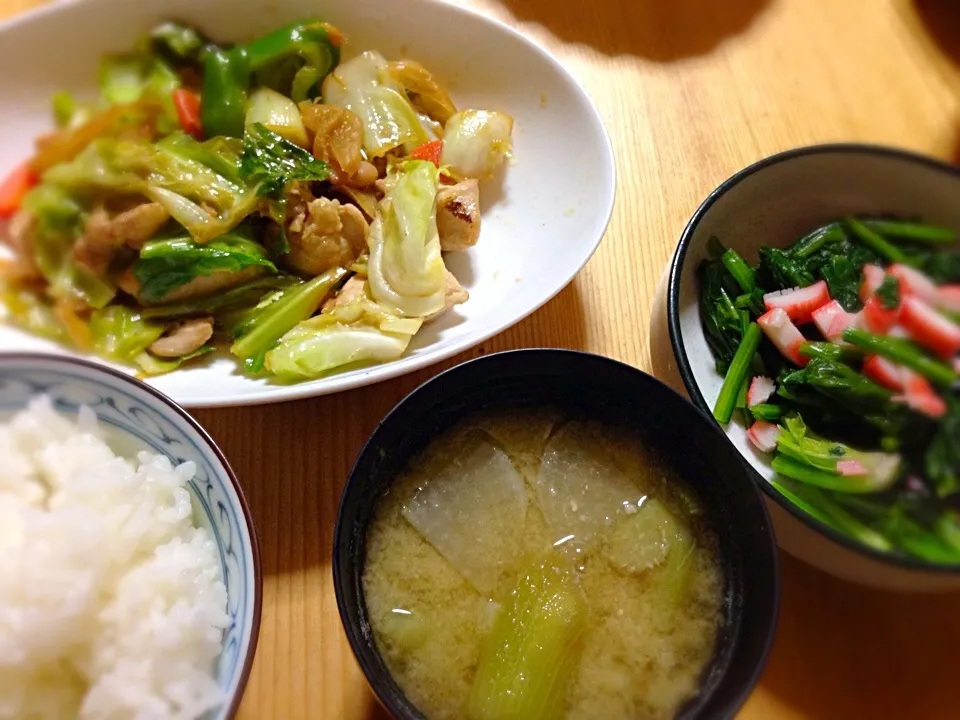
(148, 420)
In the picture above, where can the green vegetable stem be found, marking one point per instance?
(531, 650)
(737, 374)
(875, 241)
(904, 352)
(295, 305)
(919, 232)
(822, 505)
(770, 412)
(798, 470)
(811, 243)
(830, 351)
(803, 456)
(738, 267)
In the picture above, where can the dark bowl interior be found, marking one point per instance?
(590, 386)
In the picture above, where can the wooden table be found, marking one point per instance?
(691, 90)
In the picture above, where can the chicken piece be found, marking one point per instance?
(18, 236)
(458, 215)
(353, 289)
(322, 233)
(131, 227)
(454, 294)
(182, 338)
(204, 285)
(104, 234)
(365, 176)
(355, 228)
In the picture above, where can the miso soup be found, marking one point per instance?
(533, 565)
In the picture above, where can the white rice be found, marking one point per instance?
(111, 602)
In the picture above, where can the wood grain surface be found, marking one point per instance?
(691, 91)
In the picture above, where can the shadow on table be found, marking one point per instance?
(868, 652)
(376, 711)
(955, 152)
(293, 458)
(941, 20)
(661, 30)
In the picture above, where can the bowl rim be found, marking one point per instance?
(684, 366)
(342, 535)
(183, 415)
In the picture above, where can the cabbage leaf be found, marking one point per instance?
(128, 78)
(59, 220)
(208, 187)
(406, 270)
(32, 312)
(199, 184)
(356, 333)
(120, 333)
(475, 143)
(364, 85)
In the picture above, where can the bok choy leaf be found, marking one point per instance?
(808, 458)
(272, 161)
(529, 654)
(167, 264)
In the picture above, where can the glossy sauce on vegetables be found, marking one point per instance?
(532, 565)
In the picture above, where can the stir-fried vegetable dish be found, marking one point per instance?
(842, 352)
(265, 195)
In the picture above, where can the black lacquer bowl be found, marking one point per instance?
(590, 386)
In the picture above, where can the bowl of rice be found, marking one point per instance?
(130, 582)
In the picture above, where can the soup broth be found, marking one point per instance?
(533, 565)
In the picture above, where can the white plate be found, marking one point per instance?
(540, 225)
